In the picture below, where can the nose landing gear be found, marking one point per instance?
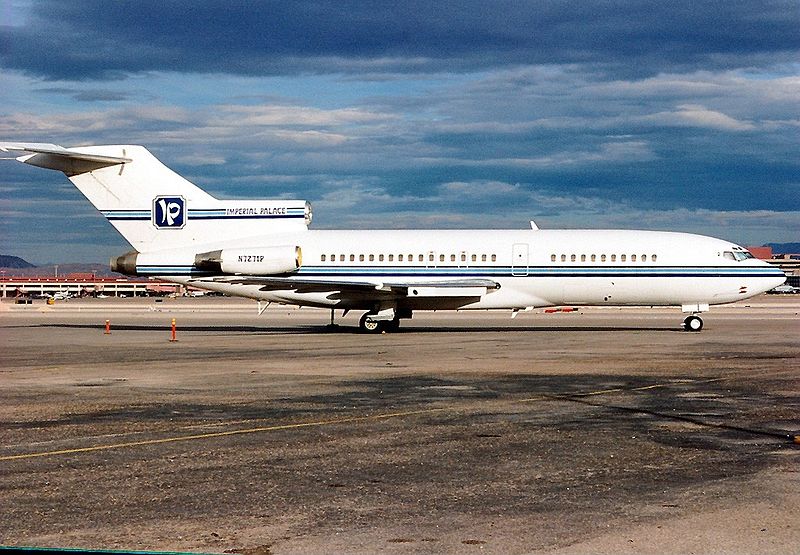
(693, 323)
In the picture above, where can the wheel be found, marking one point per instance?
(368, 325)
(693, 323)
(392, 325)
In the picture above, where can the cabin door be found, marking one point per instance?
(519, 259)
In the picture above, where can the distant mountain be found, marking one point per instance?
(784, 248)
(15, 266)
(8, 261)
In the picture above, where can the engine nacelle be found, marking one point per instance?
(125, 264)
(259, 261)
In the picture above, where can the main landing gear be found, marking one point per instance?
(368, 324)
(693, 323)
(383, 321)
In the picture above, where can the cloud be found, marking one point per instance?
(267, 123)
(88, 95)
(433, 114)
(100, 40)
(272, 114)
(480, 189)
(462, 204)
(610, 152)
(689, 115)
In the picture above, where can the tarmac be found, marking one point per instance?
(602, 430)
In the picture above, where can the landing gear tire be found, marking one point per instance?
(693, 323)
(392, 325)
(368, 325)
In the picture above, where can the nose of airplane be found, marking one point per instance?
(773, 277)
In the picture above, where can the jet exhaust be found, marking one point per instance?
(125, 264)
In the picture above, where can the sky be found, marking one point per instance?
(680, 115)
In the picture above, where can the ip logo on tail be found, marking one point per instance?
(169, 212)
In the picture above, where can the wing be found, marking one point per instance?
(448, 288)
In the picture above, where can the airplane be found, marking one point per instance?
(264, 250)
(784, 289)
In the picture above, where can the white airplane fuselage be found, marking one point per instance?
(534, 268)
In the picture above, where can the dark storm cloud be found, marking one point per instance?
(105, 40)
(92, 95)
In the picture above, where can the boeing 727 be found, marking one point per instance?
(264, 250)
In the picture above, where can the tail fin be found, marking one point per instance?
(153, 207)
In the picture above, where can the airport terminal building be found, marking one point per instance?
(84, 285)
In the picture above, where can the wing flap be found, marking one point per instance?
(450, 288)
(449, 291)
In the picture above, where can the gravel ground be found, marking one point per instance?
(603, 430)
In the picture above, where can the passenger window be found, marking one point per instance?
(430, 258)
(380, 258)
(411, 258)
(463, 257)
(341, 258)
(622, 258)
(372, 258)
(563, 258)
(583, 258)
(352, 258)
(399, 257)
(323, 258)
(644, 258)
(494, 258)
(441, 258)
(552, 258)
(391, 257)
(361, 258)
(474, 257)
(602, 258)
(421, 258)
(594, 257)
(653, 257)
(633, 258)
(613, 258)
(572, 258)
(483, 258)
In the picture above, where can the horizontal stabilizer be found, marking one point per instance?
(67, 160)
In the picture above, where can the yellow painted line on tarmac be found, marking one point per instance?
(175, 439)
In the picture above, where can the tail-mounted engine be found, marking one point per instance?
(257, 261)
(262, 261)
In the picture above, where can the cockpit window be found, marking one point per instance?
(737, 255)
